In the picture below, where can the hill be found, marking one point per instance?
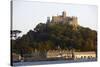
(46, 37)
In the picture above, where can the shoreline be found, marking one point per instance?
(52, 62)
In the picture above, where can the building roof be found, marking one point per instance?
(89, 52)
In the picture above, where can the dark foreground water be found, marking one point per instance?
(52, 62)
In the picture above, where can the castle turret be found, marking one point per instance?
(48, 19)
(74, 22)
(64, 14)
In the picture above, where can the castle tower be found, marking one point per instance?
(74, 22)
(64, 14)
(48, 19)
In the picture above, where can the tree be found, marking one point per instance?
(14, 33)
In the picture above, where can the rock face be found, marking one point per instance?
(63, 19)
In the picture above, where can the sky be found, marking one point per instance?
(27, 14)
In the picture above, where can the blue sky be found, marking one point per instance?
(27, 14)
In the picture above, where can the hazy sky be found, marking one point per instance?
(27, 14)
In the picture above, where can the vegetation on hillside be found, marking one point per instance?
(46, 37)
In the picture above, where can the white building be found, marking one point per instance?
(69, 54)
(59, 53)
(84, 55)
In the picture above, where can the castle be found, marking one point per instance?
(64, 19)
